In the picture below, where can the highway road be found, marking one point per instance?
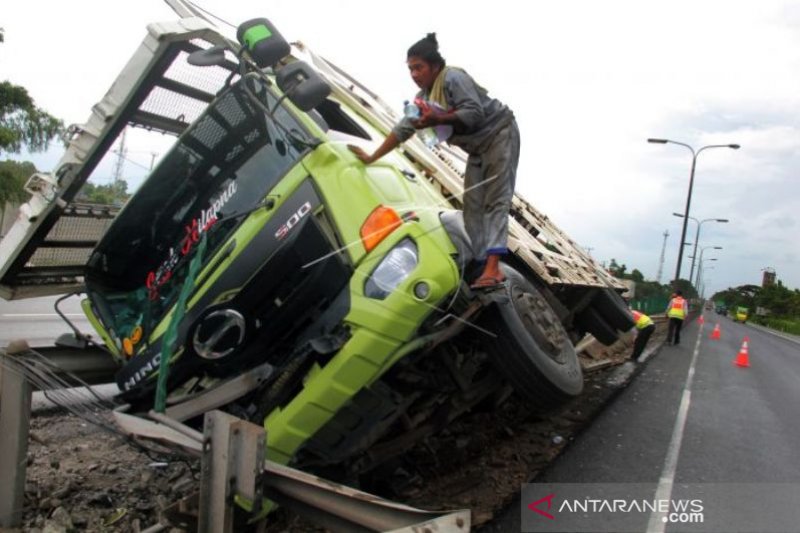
(692, 416)
(36, 321)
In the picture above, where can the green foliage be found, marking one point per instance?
(744, 295)
(686, 287)
(110, 194)
(652, 289)
(786, 325)
(617, 270)
(22, 123)
(13, 175)
(650, 296)
(780, 301)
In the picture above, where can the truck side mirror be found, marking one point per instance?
(302, 85)
(265, 44)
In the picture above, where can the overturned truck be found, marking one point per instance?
(263, 269)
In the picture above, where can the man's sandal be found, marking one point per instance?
(488, 283)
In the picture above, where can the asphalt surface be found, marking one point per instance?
(734, 425)
(36, 321)
(743, 422)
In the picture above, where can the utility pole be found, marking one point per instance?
(661, 260)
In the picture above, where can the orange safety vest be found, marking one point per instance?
(642, 320)
(676, 308)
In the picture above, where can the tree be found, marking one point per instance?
(109, 194)
(22, 123)
(686, 287)
(617, 270)
(744, 296)
(13, 175)
(636, 275)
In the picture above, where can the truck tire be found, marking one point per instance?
(591, 321)
(532, 349)
(610, 305)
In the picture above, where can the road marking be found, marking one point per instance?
(35, 315)
(657, 521)
(788, 337)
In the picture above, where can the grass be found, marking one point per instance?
(786, 325)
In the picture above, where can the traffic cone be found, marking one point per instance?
(701, 320)
(743, 359)
(715, 335)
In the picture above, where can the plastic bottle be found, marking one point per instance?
(428, 135)
(410, 110)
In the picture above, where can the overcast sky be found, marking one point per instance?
(588, 81)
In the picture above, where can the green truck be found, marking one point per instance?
(261, 256)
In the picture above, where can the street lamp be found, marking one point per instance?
(689, 194)
(703, 268)
(703, 249)
(697, 236)
(705, 282)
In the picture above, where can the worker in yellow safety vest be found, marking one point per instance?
(677, 310)
(644, 328)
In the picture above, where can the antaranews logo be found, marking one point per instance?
(581, 512)
(693, 507)
(535, 506)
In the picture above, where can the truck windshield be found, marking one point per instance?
(220, 168)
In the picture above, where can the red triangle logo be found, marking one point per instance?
(549, 499)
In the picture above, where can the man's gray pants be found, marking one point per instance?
(488, 190)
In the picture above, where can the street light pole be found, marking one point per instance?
(697, 237)
(689, 194)
(703, 249)
(705, 282)
(700, 268)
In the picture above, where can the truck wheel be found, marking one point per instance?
(591, 321)
(610, 305)
(532, 348)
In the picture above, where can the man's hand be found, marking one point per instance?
(361, 154)
(426, 120)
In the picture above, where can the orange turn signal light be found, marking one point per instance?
(378, 225)
(136, 334)
(127, 346)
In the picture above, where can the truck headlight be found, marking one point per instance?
(392, 270)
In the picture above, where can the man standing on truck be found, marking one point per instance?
(485, 129)
(677, 310)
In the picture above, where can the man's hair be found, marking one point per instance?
(427, 49)
(678, 293)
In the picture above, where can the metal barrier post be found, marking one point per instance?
(15, 414)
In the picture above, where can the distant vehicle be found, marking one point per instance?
(722, 310)
(741, 314)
